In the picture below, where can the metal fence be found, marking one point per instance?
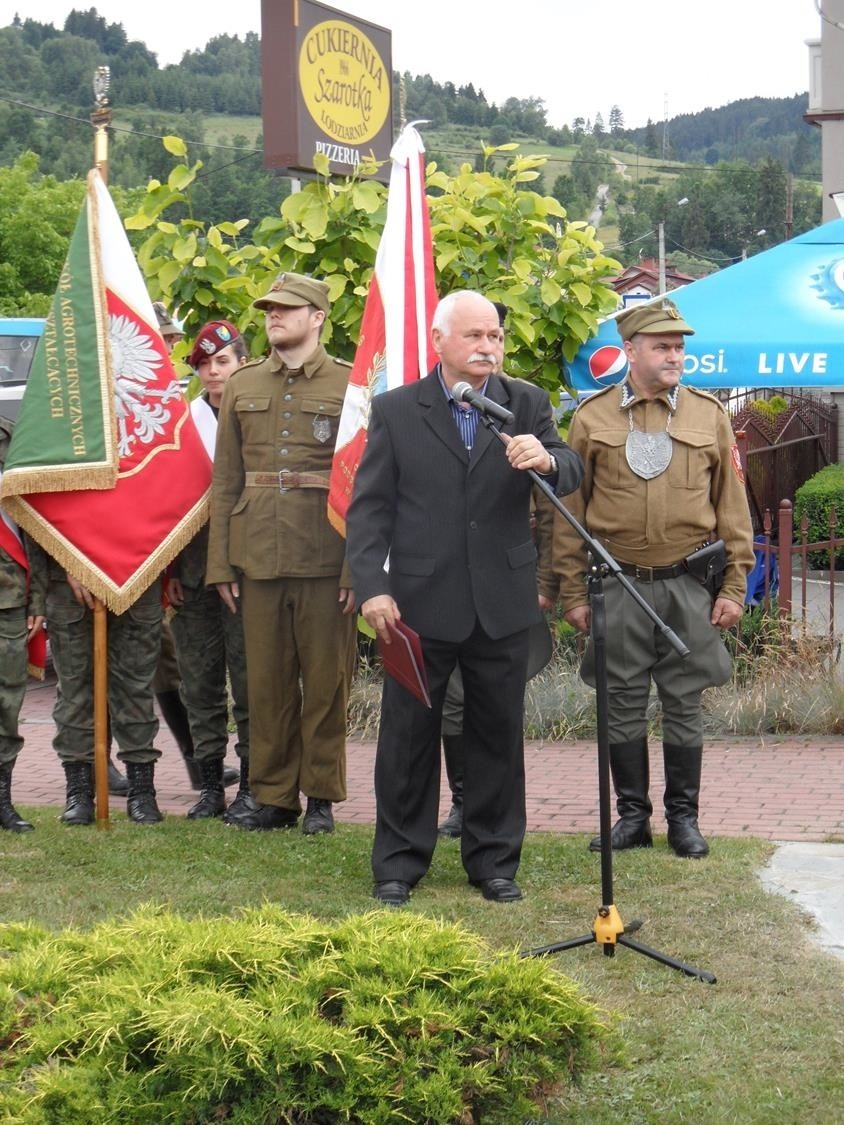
(809, 600)
(780, 455)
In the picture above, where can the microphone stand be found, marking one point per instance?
(607, 929)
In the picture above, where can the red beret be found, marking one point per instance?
(212, 338)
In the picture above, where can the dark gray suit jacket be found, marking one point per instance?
(456, 526)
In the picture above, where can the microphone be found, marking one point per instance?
(465, 392)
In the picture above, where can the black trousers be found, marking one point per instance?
(407, 762)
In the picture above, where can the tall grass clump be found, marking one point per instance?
(275, 1017)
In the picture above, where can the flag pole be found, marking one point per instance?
(101, 119)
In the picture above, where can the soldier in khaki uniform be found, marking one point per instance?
(271, 545)
(22, 593)
(662, 478)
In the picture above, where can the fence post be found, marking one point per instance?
(785, 531)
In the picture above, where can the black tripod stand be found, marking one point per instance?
(607, 929)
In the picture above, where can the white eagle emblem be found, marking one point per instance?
(135, 362)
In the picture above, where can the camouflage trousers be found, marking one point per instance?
(134, 643)
(12, 680)
(209, 642)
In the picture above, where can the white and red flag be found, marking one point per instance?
(105, 469)
(395, 338)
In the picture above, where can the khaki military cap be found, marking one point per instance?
(294, 289)
(655, 318)
(166, 325)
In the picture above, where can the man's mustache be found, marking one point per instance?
(483, 357)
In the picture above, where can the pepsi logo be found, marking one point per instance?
(608, 364)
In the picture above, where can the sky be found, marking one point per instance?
(652, 58)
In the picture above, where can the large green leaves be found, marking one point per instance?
(489, 233)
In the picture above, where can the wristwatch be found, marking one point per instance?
(553, 470)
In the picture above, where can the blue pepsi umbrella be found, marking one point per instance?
(775, 320)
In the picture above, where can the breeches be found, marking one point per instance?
(637, 653)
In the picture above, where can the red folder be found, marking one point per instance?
(403, 660)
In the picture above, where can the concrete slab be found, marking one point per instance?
(812, 875)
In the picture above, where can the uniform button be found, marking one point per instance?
(287, 398)
(285, 433)
(283, 452)
(473, 525)
(287, 414)
(291, 380)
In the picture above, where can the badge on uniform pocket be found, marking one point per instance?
(322, 428)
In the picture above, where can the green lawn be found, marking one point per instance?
(764, 1044)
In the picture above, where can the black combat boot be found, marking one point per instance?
(10, 818)
(79, 805)
(630, 769)
(175, 715)
(141, 805)
(239, 806)
(118, 786)
(682, 796)
(212, 798)
(318, 817)
(452, 826)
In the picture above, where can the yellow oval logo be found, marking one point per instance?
(344, 82)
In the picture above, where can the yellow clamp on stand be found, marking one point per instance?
(607, 928)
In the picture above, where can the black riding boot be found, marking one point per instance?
(79, 805)
(10, 818)
(175, 715)
(141, 805)
(239, 805)
(682, 796)
(452, 826)
(631, 780)
(212, 798)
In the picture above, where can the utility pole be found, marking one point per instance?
(789, 206)
(660, 227)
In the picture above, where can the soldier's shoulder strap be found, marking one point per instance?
(595, 395)
(701, 393)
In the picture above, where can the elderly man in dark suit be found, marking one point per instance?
(449, 504)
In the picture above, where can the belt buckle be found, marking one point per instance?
(645, 573)
(282, 474)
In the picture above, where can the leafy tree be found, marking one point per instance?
(110, 38)
(37, 217)
(69, 65)
(489, 232)
(20, 63)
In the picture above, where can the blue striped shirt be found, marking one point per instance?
(465, 416)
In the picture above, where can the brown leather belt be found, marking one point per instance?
(284, 480)
(654, 573)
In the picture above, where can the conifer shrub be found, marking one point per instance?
(274, 1017)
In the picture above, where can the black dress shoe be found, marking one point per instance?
(498, 890)
(318, 817)
(263, 818)
(392, 892)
